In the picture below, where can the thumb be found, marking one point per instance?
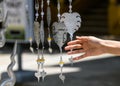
(80, 57)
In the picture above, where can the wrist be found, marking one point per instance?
(112, 47)
(104, 46)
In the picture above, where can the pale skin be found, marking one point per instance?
(92, 46)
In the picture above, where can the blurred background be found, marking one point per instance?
(100, 18)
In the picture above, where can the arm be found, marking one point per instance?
(112, 47)
(92, 46)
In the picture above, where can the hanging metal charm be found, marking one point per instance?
(60, 36)
(72, 21)
(37, 33)
(36, 27)
(12, 79)
(37, 74)
(2, 25)
(49, 39)
(2, 38)
(42, 36)
(37, 38)
(59, 33)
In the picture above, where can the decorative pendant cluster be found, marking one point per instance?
(39, 36)
(72, 21)
(68, 22)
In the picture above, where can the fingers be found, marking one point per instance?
(77, 44)
(82, 38)
(75, 51)
(74, 42)
(80, 57)
(71, 47)
(78, 40)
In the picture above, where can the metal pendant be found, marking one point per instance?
(38, 75)
(42, 32)
(72, 22)
(31, 48)
(60, 36)
(62, 77)
(59, 33)
(37, 32)
(49, 22)
(49, 42)
(71, 60)
(40, 72)
(43, 75)
(2, 38)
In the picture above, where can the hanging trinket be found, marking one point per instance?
(60, 36)
(37, 37)
(72, 21)
(2, 31)
(49, 39)
(12, 79)
(42, 36)
(2, 25)
(2, 38)
(31, 48)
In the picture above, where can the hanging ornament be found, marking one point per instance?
(42, 36)
(60, 36)
(2, 31)
(49, 39)
(12, 79)
(36, 28)
(42, 73)
(37, 33)
(37, 36)
(2, 38)
(31, 48)
(2, 25)
(72, 21)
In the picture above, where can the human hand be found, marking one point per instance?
(89, 45)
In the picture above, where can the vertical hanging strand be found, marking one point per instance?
(37, 9)
(42, 25)
(37, 37)
(49, 22)
(58, 15)
(43, 73)
(58, 7)
(36, 24)
(30, 26)
(61, 63)
(70, 6)
(71, 35)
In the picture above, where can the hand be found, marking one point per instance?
(89, 45)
